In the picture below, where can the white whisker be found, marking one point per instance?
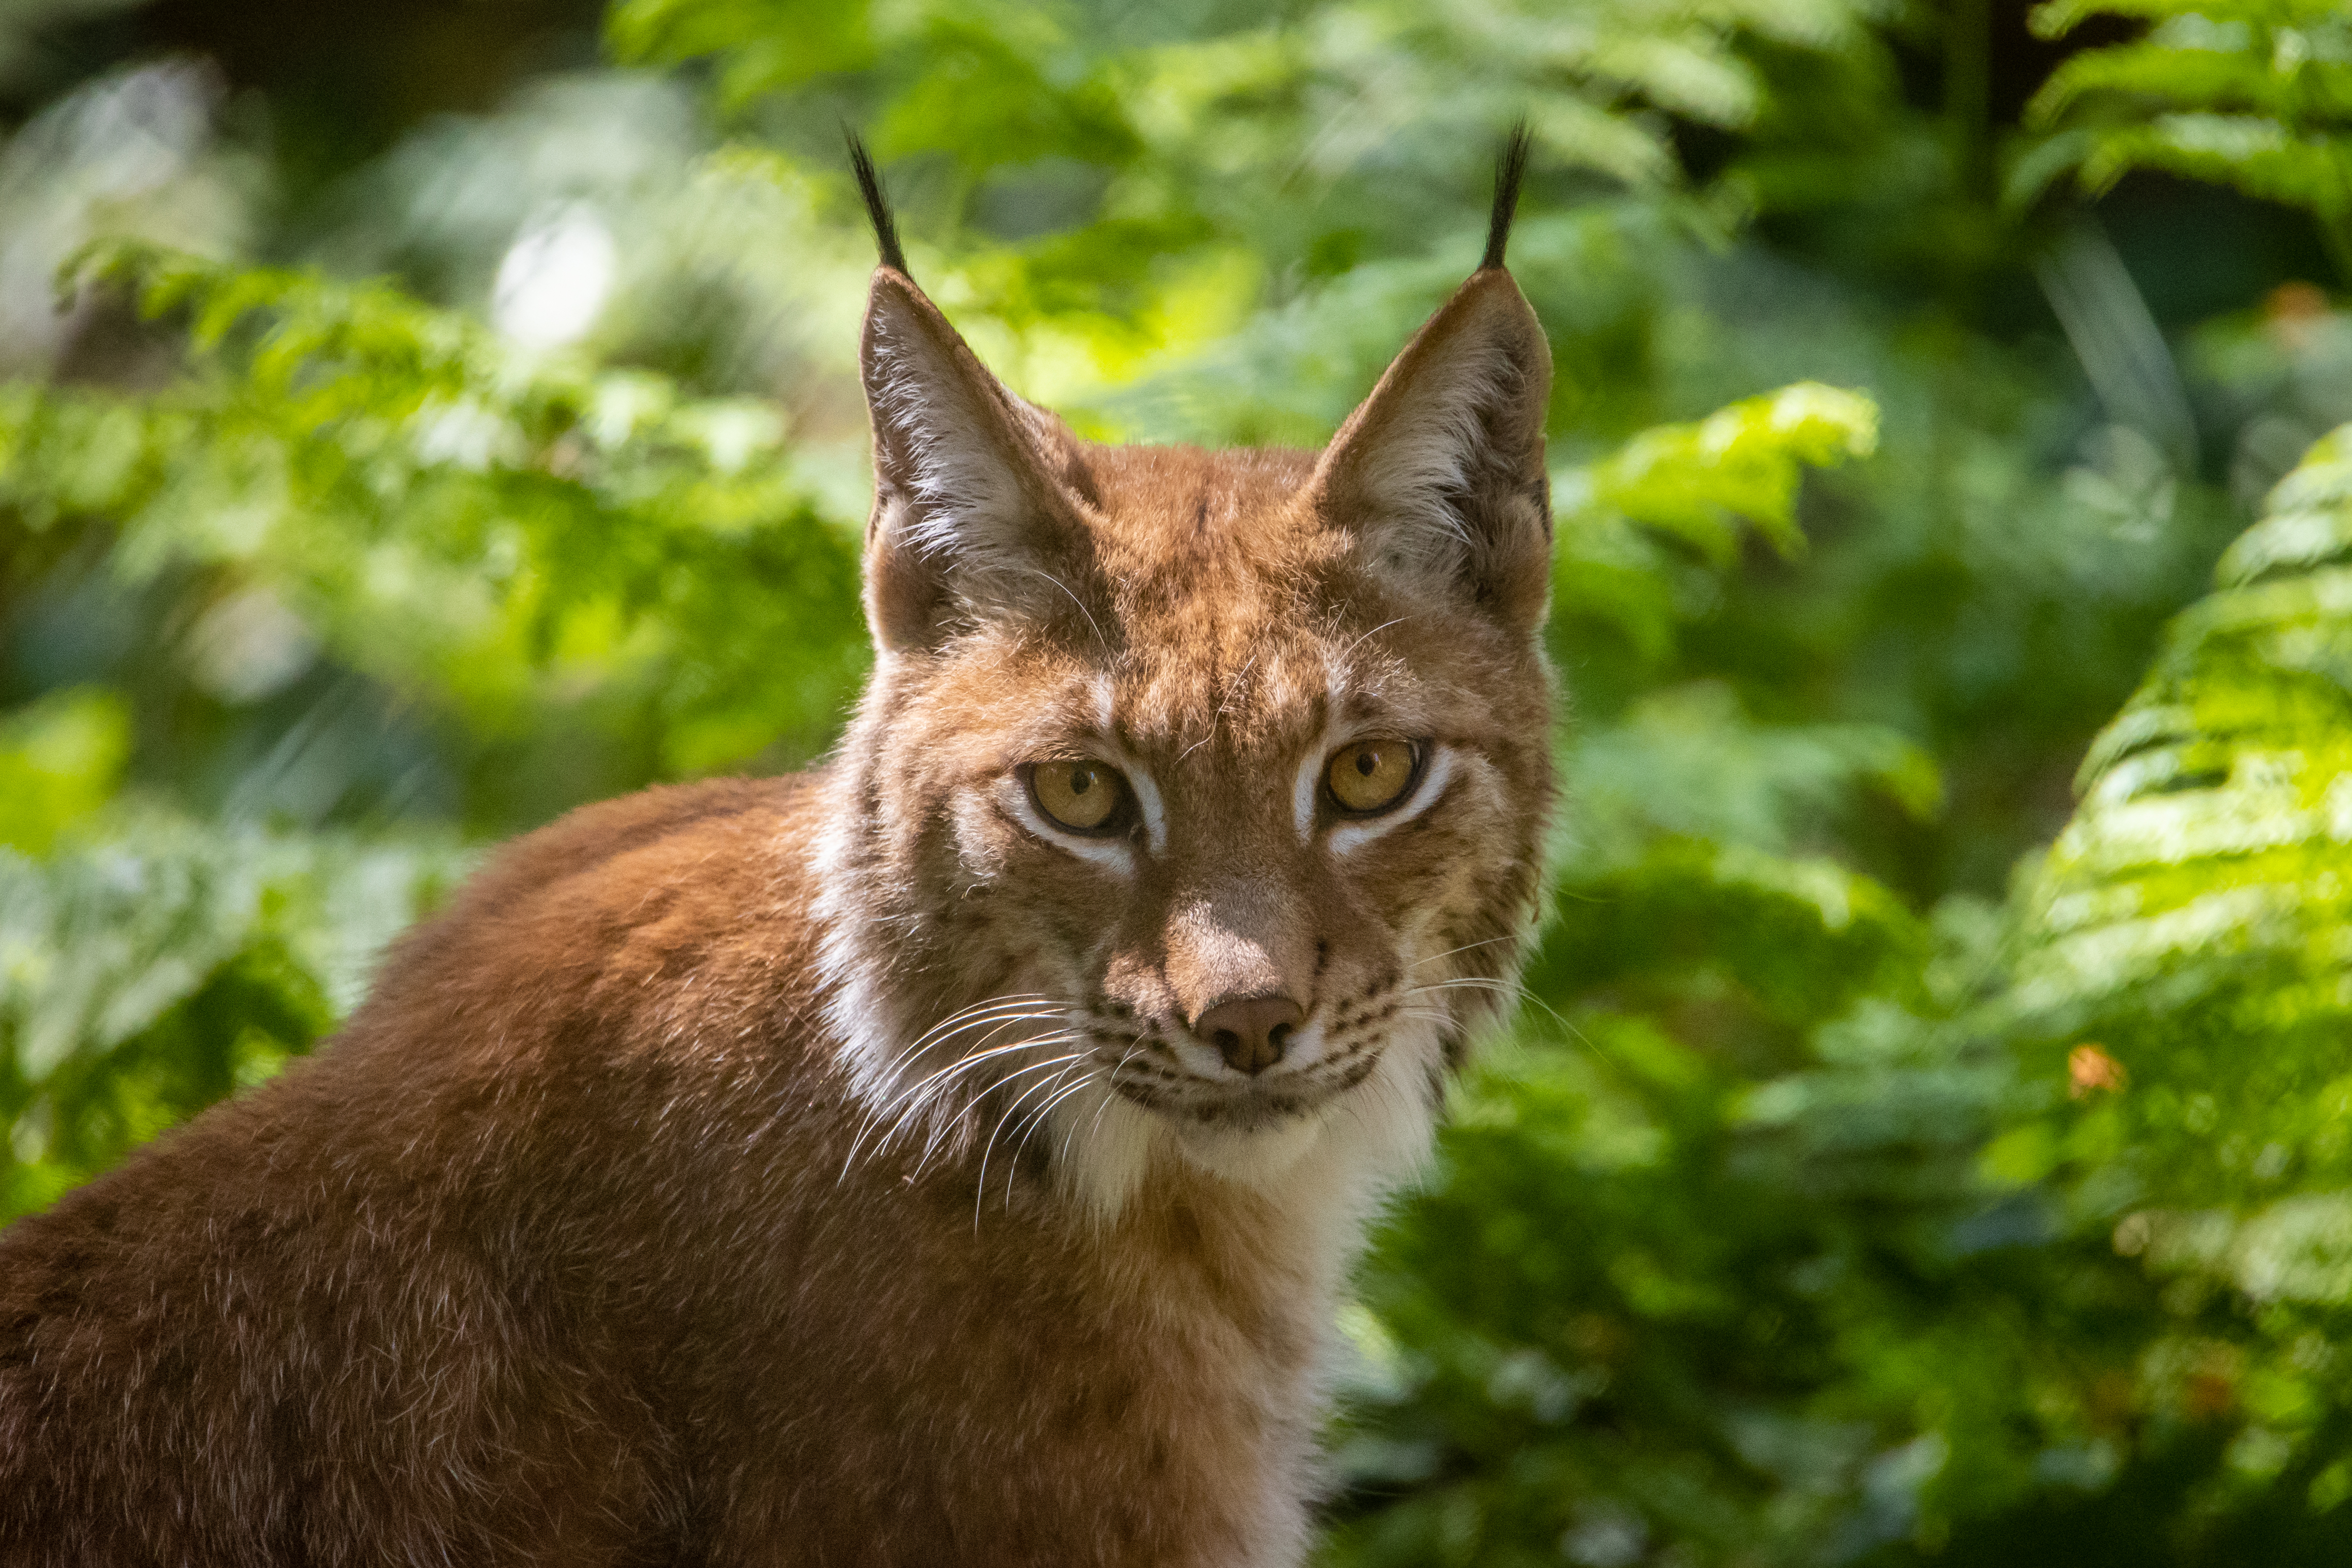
(939, 1129)
(1466, 947)
(912, 1097)
(992, 1011)
(1036, 1120)
(980, 1186)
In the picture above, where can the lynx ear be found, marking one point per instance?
(1439, 476)
(969, 520)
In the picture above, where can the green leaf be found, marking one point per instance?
(1803, 937)
(517, 532)
(2192, 918)
(1741, 463)
(141, 976)
(2256, 94)
(60, 761)
(1699, 486)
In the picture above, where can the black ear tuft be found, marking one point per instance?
(1508, 170)
(878, 206)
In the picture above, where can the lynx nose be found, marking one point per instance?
(1250, 1031)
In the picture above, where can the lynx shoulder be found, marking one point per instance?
(952, 1155)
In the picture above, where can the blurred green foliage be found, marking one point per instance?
(1905, 1150)
(2257, 93)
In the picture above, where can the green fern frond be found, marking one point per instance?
(1703, 486)
(2252, 93)
(455, 513)
(2198, 79)
(2193, 917)
(145, 975)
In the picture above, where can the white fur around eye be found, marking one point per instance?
(1146, 793)
(1148, 802)
(1111, 854)
(1349, 837)
(1155, 814)
(1307, 789)
(1302, 795)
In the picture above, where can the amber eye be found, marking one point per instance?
(1084, 796)
(1371, 775)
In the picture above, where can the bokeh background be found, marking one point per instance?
(1928, 1132)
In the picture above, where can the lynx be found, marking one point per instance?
(952, 1155)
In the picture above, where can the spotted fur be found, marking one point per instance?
(830, 1170)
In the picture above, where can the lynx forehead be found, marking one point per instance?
(1200, 793)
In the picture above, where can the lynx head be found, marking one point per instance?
(1193, 809)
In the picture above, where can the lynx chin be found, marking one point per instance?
(952, 1155)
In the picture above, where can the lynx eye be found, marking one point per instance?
(1371, 775)
(1081, 796)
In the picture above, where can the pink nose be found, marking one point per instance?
(1250, 1031)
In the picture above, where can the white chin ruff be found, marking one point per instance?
(1255, 1156)
(1350, 1152)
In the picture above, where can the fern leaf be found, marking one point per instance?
(2200, 900)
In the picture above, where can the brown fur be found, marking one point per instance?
(625, 1223)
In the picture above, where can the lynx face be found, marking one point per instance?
(1197, 796)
